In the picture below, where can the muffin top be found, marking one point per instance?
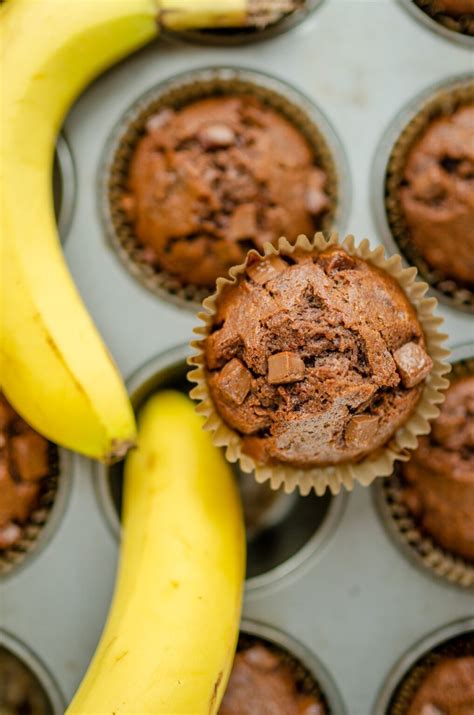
(437, 195)
(215, 178)
(314, 358)
(455, 7)
(261, 683)
(448, 689)
(23, 464)
(439, 477)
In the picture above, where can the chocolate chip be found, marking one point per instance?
(430, 709)
(216, 136)
(413, 364)
(337, 260)
(156, 121)
(360, 430)
(263, 271)
(285, 367)
(29, 454)
(234, 381)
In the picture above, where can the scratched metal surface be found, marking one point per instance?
(359, 603)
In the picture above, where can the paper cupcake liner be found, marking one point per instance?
(306, 682)
(404, 527)
(457, 647)
(32, 529)
(463, 24)
(379, 463)
(176, 93)
(444, 102)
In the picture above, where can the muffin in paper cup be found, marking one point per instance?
(376, 463)
(460, 646)
(32, 530)
(403, 526)
(176, 94)
(436, 103)
(462, 22)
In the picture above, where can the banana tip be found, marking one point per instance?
(119, 450)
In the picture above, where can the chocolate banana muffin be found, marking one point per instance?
(314, 359)
(437, 195)
(215, 178)
(262, 683)
(447, 690)
(24, 465)
(439, 478)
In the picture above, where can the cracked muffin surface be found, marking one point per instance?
(439, 478)
(455, 7)
(217, 177)
(448, 689)
(260, 682)
(315, 358)
(437, 195)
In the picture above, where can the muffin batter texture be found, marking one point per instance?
(447, 690)
(314, 359)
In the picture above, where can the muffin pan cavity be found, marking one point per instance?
(284, 531)
(26, 686)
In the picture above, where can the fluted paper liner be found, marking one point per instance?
(463, 24)
(457, 647)
(418, 543)
(378, 464)
(32, 529)
(443, 102)
(177, 93)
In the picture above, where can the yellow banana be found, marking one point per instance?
(169, 641)
(54, 367)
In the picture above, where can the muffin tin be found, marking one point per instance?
(358, 603)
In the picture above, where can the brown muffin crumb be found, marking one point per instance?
(327, 353)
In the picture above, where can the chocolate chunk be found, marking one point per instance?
(128, 204)
(156, 121)
(430, 709)
(413, 364)
(266, 270)
(243, 222)
(285, 367)
(337, 261)
(29, 454)
(216, 136)
(360, 430)
(234, 381)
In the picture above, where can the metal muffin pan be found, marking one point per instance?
(358, 604)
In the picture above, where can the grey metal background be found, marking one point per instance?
(360, 604)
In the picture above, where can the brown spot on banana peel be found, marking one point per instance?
(214, 692)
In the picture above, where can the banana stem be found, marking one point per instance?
(194, 14)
